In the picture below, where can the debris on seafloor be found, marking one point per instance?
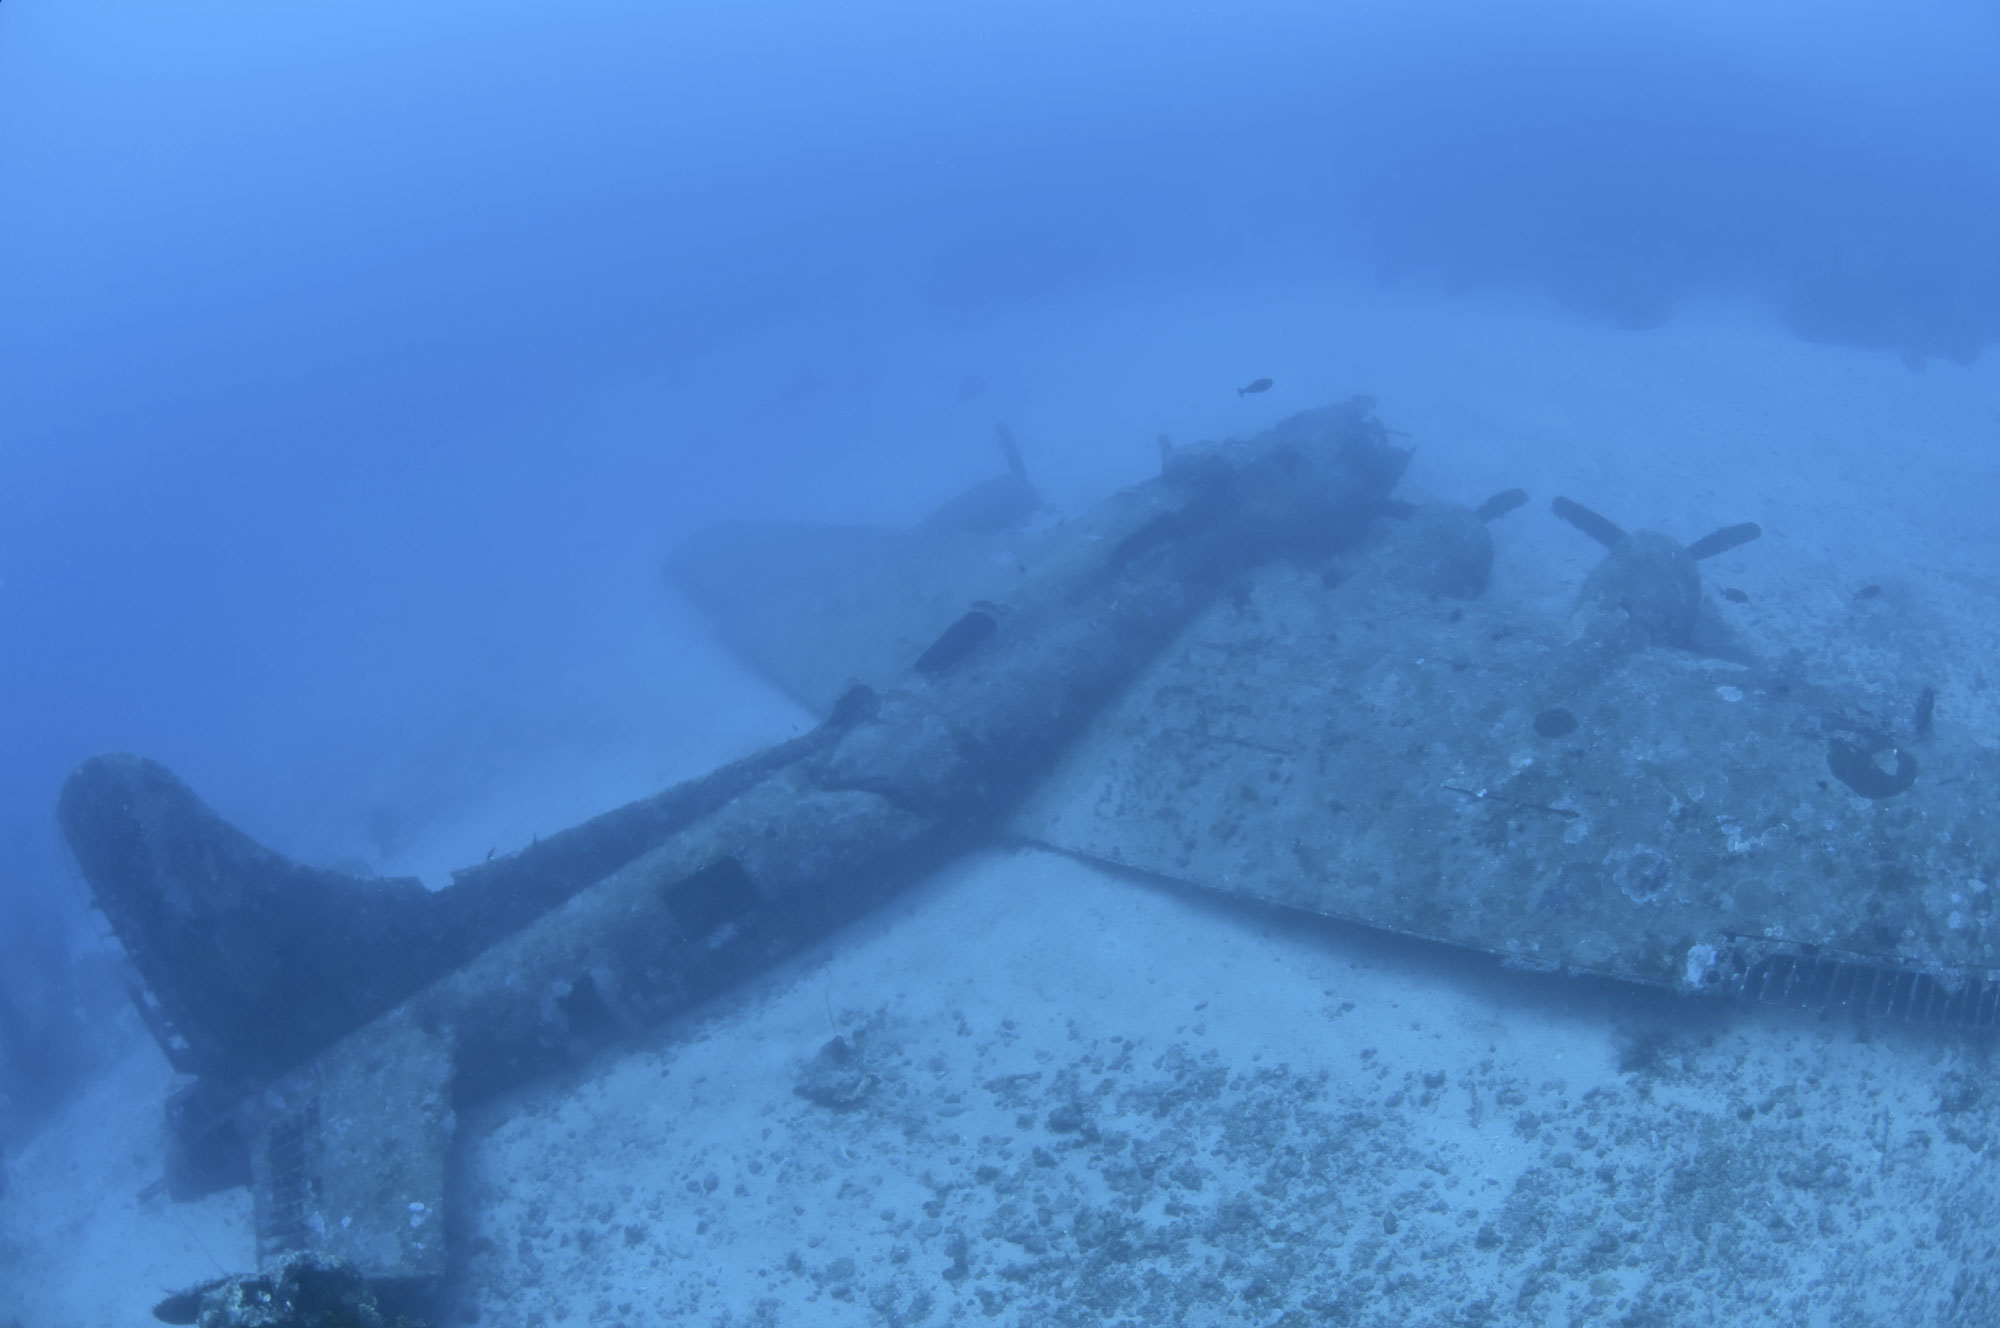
(837, 1076)
(300, 1290)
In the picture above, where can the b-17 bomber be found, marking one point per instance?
(1259, 674)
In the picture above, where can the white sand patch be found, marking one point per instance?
(86, 1239)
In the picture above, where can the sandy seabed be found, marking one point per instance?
(1072, 1097)
(1083, 1100)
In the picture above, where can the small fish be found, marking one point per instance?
(1261, 385)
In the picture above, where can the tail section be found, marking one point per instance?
(251, 962)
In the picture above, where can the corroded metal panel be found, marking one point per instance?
(1563, 793)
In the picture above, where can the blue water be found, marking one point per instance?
(359, 364)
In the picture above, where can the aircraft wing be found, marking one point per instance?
(1459, 771)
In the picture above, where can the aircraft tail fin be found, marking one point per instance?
(250, 961)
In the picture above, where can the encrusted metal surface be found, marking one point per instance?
(1568, 794)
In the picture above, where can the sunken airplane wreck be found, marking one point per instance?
(1257, 674)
